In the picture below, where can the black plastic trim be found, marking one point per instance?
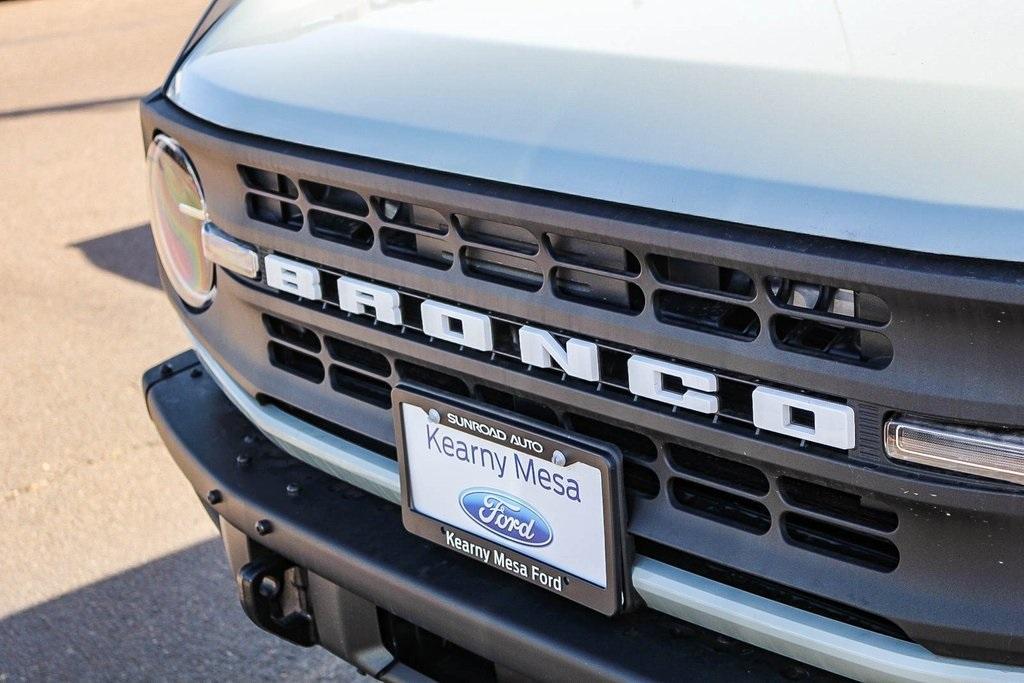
(347, 538)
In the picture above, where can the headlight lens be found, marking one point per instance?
(178, 214)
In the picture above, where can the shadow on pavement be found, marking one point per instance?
(68, 106)
(175, 618)
(128, 253)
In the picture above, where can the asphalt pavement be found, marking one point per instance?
(109, 568)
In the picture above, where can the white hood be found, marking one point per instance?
(898, 124)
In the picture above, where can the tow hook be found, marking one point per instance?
(272, 591)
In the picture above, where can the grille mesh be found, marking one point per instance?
(713, 486)
(838, 325)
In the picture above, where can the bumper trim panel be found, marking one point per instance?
(795, 633)
(336, 456)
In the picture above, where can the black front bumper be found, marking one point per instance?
(391, 603)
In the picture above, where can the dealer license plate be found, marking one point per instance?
(525, 499)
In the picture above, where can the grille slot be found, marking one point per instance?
(268, 181)
(359, 386)
(296, 362)
(599, 291)
(720, 506)
(273, 211)
(293, 333)
(837, 301)
(835, 342)
(411, 215)
(591, 254)
(632, 444)
(370, 444)
(517, 404)
(416, 248)
(708, 315)
(640, 479)
(722, 471)
(840, 543)
(495, 234)
(340, 229)
(705, 277)
(508, 270)
(358, 356)
(335, 198)
(841, 505)
(431, 378)
(769, 589)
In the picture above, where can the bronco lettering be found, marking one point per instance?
(539, 348)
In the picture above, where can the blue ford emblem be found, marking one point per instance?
(506, 516)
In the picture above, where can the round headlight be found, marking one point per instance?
(179, 212)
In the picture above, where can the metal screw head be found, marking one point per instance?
(166, 369)
(214, 497)
(558, 458)
(292, 489)
(243, 459)
(433, 416)
(264, 527)
(196, 372)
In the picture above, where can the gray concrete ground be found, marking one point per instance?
(109, 569)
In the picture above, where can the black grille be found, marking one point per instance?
(769, 589)
(411, 216)
(708, 485)
(839, 504)
(734, 414)
(360, 387)
(707, 315)
(840, 542)
(721, 471)
(295, 362)
(588, 253)
(511, 271)
(705, 277)
(269, 182)
(821, 320)
(341, 229)
(293, 333)
(721, 506)
(273, 211)
(360, 357)
(826, 339)
(495, 234)
(416, 248)
(337, 199)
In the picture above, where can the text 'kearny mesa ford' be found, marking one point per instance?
(610, 340)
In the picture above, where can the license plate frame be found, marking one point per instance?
(610, 599)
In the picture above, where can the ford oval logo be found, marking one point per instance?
(506, 516)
